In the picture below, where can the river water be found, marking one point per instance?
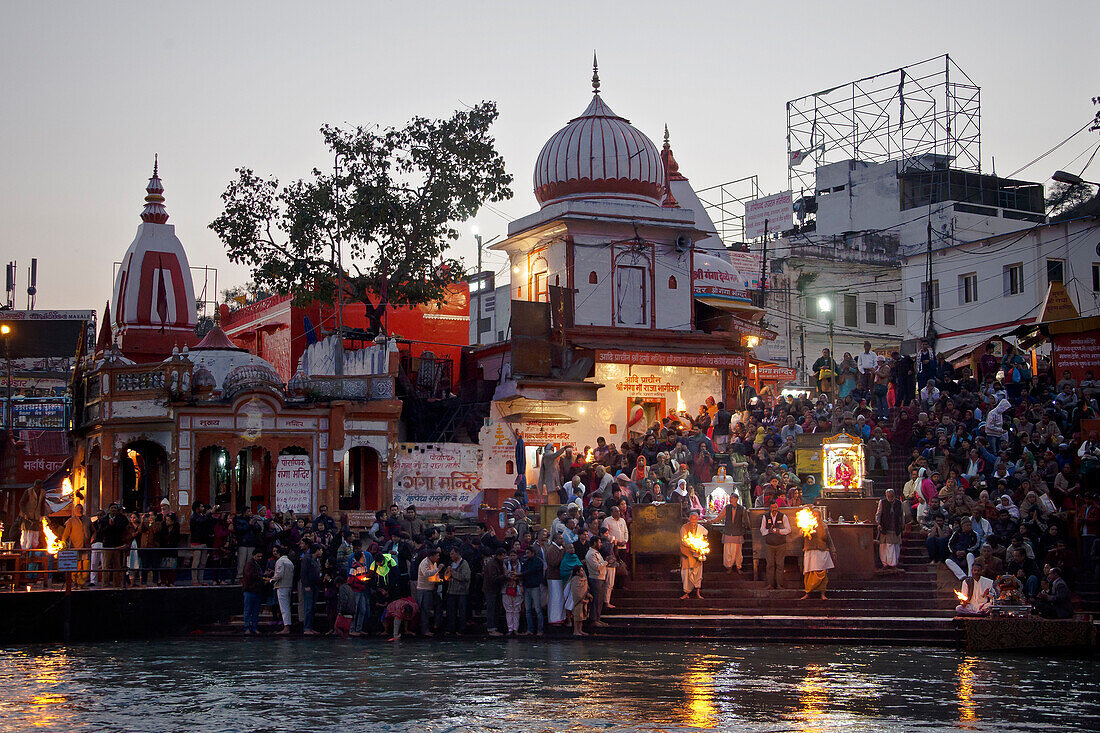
(217, 684)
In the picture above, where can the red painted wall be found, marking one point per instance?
(274, 329)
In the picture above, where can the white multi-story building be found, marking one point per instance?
(866, 252)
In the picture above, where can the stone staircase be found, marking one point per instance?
(902, 608)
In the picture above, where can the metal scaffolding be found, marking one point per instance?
(725, 203)
(928, 107)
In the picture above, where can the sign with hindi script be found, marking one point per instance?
(294, 484)
(438, 478)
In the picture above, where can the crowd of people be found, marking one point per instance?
(1002, 481)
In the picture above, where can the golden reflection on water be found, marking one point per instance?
(812, 699)
(46, 705)
(967, 672)
(699, 710)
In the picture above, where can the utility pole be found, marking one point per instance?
(929, 294)
(764, 270)
(480, 287)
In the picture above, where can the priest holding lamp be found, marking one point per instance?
(693, 551)
(818, 552)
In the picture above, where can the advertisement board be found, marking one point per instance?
(777, 210)
(1077, 352)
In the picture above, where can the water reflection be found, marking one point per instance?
(968, 711)
(698, 684)
(228, 685)
(812, 699)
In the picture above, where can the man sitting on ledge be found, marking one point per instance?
(976, 591)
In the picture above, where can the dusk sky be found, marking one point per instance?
(92, 90)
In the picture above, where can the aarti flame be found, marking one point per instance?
(681, 406)
(589, 456)
(806, 519)
(697, 545)
(53, 544)
(66, 487)
(963, 598)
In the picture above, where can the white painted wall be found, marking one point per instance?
(1073, 242)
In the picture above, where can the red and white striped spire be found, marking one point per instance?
(154, 211)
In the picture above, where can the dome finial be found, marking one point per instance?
(595, 74)
(154, 211)
(666, 136)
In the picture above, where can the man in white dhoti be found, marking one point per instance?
(818, 557)
(555, 584)
(692, 539)
(891, 521)
(619, 534)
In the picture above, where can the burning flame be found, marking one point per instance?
(589, 456)
(697, 545)
(961, 596)
(66, 487)
(681, 406)
(806, 520)
(53, 544)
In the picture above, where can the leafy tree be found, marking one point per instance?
(394, 201)
(1064, 196)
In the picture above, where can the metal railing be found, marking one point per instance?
(117, 567)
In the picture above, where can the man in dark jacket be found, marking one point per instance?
(492, 581)
(247, 530)
(1055, 603)
(534, 573)
(311, 576)
(323, 522)
(252, 583)
(114, 537)
(202, 537)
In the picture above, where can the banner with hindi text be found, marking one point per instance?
(438, 478)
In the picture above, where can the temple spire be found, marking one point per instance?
(595, 74)
(154, 211)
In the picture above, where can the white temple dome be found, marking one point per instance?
(599, 155)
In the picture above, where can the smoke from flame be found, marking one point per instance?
(806, 520)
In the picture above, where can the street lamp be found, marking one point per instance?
(825, 305)
(1067, 177)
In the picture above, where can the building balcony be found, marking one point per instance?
(864, 249)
